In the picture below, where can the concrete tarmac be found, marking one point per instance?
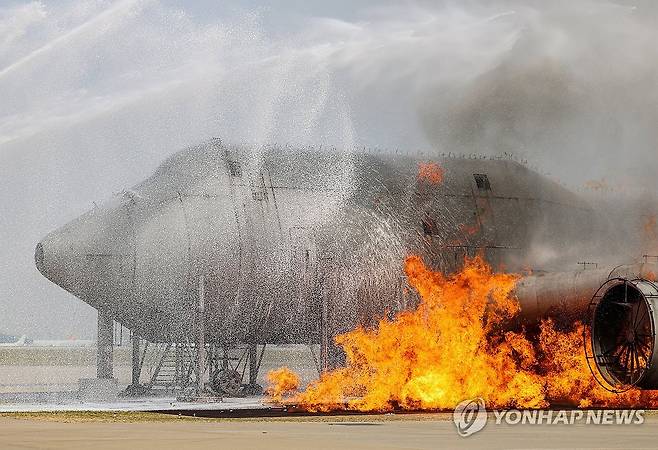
(370, 432)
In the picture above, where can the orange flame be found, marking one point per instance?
(452, 347)
(281, 381)
(430, 171)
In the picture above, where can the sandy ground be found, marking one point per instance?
(378, 432)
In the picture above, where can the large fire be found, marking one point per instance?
(454, 346)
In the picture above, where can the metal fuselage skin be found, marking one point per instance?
(285, 239)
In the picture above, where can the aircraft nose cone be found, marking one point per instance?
(51, 260)
(60, 256)
(92, 257)
(39, 260)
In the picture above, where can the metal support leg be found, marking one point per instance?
(324, 335)
(136, 366)
(105, 343)
(253, 388)
(331, 356)
(253, 364)
(138, 355)
(200, 340)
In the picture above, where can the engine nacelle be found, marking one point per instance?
(619, 303)
(621, 346)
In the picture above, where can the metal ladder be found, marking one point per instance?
(175, 368)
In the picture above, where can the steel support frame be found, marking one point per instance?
(105, 346)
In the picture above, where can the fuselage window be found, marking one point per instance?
(429, 226)
(482, 181)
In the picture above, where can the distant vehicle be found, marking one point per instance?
(13, 341)
(7, 340)
(63, 343)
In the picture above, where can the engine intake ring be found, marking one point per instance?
(621, 346)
